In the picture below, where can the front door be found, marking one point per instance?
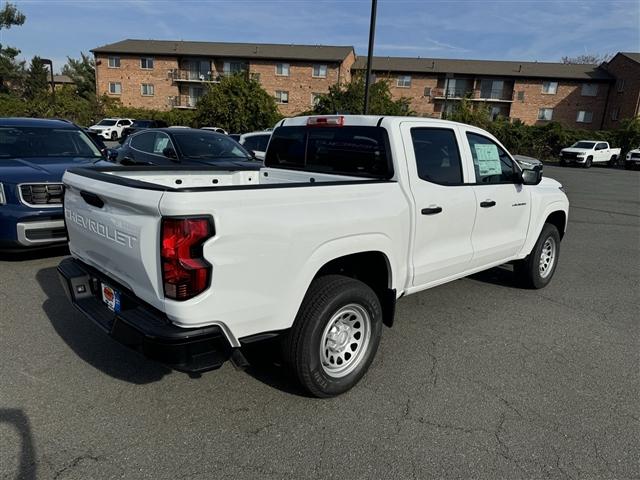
(503, 203)
(445, 206)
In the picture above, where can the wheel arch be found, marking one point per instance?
(558, 218)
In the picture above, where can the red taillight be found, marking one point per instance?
(185, 273)
(332, 121)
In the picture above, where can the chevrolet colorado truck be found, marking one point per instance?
(588, 152)
(632, 159)
(348, 214)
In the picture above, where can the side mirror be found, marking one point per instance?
(111, 154)
(531, 177)
(170, 153)
(252, 154)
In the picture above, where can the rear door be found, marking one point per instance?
(503, 203)
(445, 206)
(115, 228)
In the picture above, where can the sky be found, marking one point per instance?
(543, 30)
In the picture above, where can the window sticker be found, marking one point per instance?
(488, 159)
(161, 144)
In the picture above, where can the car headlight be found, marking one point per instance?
(3, 199)
(628, 156)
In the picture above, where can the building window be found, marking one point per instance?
(114, 62)
(315, 98)
(550, 88)
(282, 69)
(147, 90)
(615, 113)
(319, 71)
(115, 88)
(229, 68)
(146, 63)
(427, 91)
(521, 96)
(545, 114)
(282, 97)
(404, 81)
(589, 89)
(620, 85)
(584, 117)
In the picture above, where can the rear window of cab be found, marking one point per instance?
(360, 151)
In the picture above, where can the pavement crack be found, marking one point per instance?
(74, 463)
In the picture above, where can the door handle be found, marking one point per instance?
(487, 204)
(431, 210)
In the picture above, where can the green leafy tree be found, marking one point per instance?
(10, 68)
(83, 73)
(36, 81)
(349, 98)
(238, 104)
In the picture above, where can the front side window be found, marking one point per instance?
(550, 88)
(589, 89)
(143, 142)
(320, 71)
(601, 146)
(160, 142)
(114, 62)
(584, 117)
(115, 88)
(437, 155)
(34, 142)
(545, 114)
(282, 69)
(146, 63)
(490, 162)
(404, 81)
(257, 143)
(282, 96)
(147, 90)
(352, 150)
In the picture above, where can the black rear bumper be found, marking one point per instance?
(142, 327)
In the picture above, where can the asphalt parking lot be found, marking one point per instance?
(477, 379)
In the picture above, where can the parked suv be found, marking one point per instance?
(111, 128)
(34, 153)
(632, 159)
(255, 142)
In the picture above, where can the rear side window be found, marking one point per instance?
(257, 142)
(437, 155)
(351, 150)
(491, 163)
(143, 142)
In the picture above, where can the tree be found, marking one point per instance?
(349, 98)
(238, 104)
(36, 81)
(10, 69)
(83, 74)
(588, 59)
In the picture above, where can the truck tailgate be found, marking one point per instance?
(116, 229)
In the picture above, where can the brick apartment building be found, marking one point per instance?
(167, 74)
(174, 74)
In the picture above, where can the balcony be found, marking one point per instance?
(186, 102)
(478, 94)
(191, 76)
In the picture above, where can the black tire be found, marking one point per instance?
(527, 270)
(114, 136)
(588, 162)
(326, 296)
(563, 162)
(628, 165)
(613, 161)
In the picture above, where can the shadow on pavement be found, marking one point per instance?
(27, 460)
(23, 255)
(502, 276)
(89, 342)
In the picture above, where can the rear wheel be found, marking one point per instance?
(613, 161)
(335, 335)
(538, 268)
(588, 162)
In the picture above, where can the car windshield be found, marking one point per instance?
(587, 145)
(142, 123)
(208, 146)
(107, 123)
(30, 142)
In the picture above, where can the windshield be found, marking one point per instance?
(142, 123)
(208, 146)
(29, 142)
(586, 145)
(107, 123)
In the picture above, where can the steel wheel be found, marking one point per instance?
(547, 257)
(345, 340)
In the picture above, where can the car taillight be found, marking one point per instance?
(185, 273)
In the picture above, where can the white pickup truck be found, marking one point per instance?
(588, 152)
(348, 214)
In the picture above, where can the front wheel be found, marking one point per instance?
(588, 162)
(538, 268)
(335, 335)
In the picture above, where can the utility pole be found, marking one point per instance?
(372, 31)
